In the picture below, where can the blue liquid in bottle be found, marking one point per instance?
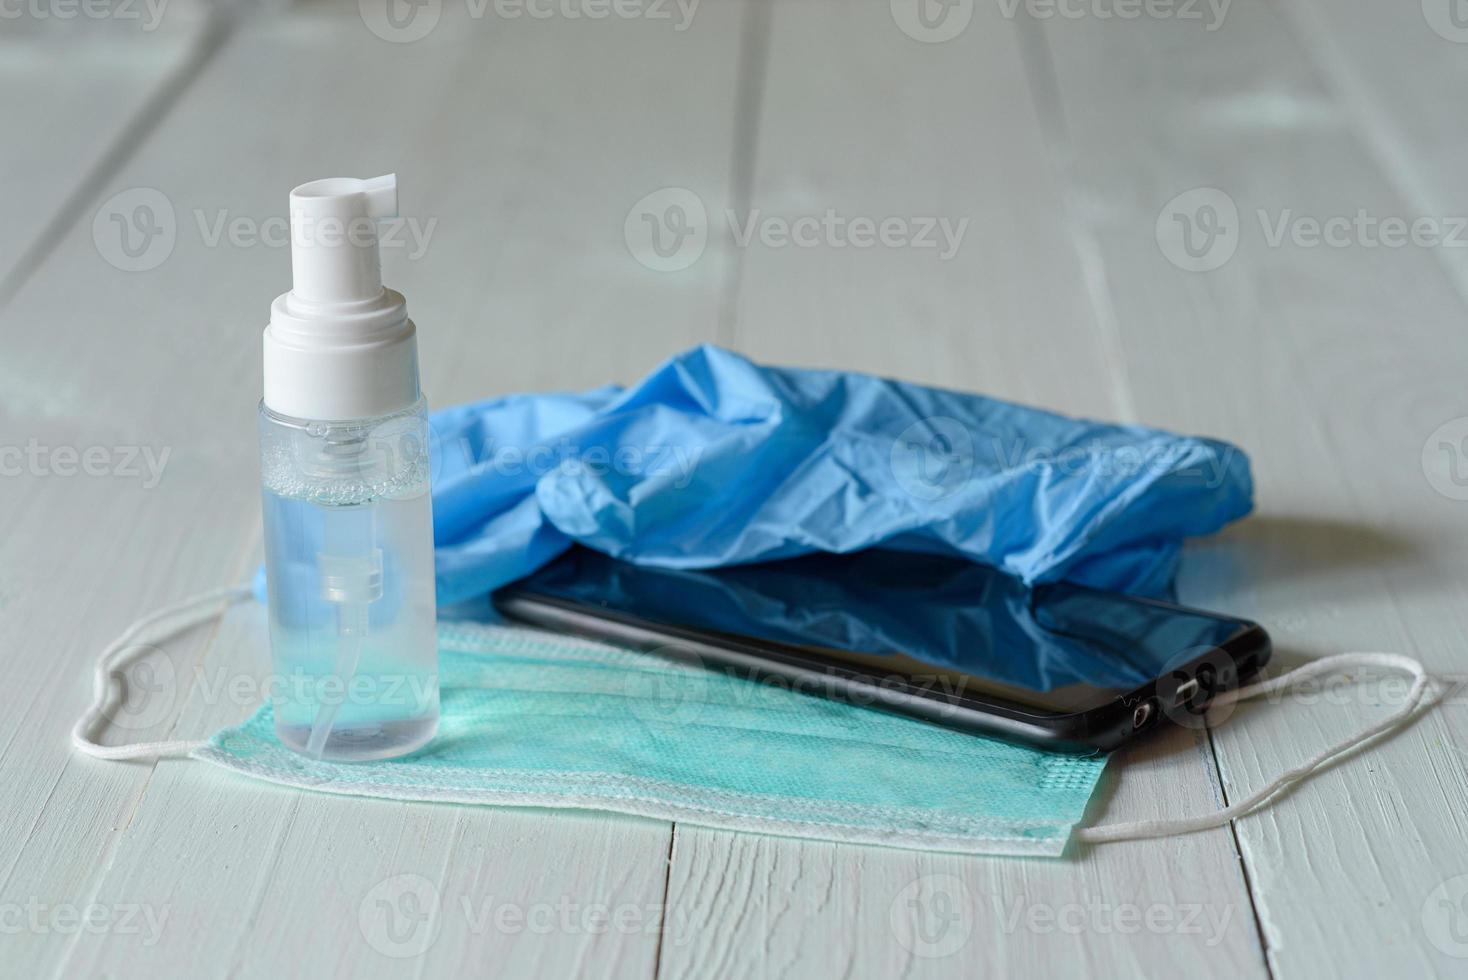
(349, 555)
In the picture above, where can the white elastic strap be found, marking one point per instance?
(1422, 693)
(107, 683)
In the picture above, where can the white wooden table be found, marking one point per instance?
(1060, 139)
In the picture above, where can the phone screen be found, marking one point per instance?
(929, 620)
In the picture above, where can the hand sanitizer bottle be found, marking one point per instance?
(344, 466)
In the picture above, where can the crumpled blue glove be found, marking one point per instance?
(713, 460)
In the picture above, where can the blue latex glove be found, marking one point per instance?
(713, 460)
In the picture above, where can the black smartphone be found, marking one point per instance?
(933, 637)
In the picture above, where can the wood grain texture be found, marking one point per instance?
(1396, 71)
(75, 96)
(258, 881)
(1333, 365)
(526, 145)
(78, 91)
(886, 126)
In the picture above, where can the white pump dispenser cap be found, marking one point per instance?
(339, 346)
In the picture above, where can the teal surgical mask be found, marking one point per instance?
(533, 719)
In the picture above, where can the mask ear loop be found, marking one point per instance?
(107, 693)
(1422, 694)
(107, 682)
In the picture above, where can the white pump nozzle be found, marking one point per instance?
(339, 345)
(334, 255)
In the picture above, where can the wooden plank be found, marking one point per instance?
(516, 136)
(1299, 371)
(860, 118)
(109, 77)
(1333, 366)
(1396, 71)
(742, 905)
(62, 521)
(859, 121)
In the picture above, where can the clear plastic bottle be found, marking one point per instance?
(349, 555)
(345, 476)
